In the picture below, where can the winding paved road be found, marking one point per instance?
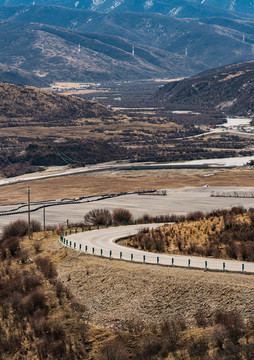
(103, 243)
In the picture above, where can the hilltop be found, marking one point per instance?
(25, 105)
(229, 88)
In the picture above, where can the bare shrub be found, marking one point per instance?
(37, 246)
(219, 335)
(148, 348)
(114, 350)
(51, 228)
(135, 326)
(35, 226)
(232, 250)
(98, 217)
(170, 333)
(233, 323)
(197, 348)
(35, 300)
(31, 281)
(46, 266)
(23, 256)
(144, 219)
(122, 216)
(18, 228)
(195, 215)
(10, 246)
(201, 318)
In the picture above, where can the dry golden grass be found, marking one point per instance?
(115, 295)
(190, 237)
(112, 182)
(123, 123)
(115, 291)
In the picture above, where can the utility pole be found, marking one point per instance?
(44, 219)
(28, 204)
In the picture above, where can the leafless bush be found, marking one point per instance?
(233, 323)
(18, 228)
(196, 215)
(146, 218)
(232, 250)
(35, 226)
(37, 246)
(51, 228)
(31, 281)
(114, 350)
(219, 335)
(10, 247)
(197, 348)
(122, 216)
(35, 300)
(170, 333)
(98, 217)
(46, 266)
(23, 256)
(135, 326)
(148, 348)
(201, 318)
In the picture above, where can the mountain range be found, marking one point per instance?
(174, 8)
(229, 89)
(109, 40)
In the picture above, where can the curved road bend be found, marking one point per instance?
(104, 240)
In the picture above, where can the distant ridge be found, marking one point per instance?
(26, 105)
(229, 88)
(173, 8)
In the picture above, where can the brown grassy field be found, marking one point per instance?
(226, 234)
(105, 309)
(115, 292)
(114, 182)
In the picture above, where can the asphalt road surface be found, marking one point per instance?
(103, 243)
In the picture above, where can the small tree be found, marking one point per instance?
(122, 216)
(98, 217)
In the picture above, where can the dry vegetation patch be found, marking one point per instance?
(116, 182)
(45, 315)
(224, 234)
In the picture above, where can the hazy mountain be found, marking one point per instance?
(17, 76)
(229, 88)
(53, 54)
(40, 44)
(174, 8)
(241, 6)
(211, 41)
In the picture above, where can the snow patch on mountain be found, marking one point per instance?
(115, 5)
(97, 3)
(232, 5)
(148, 4)
(175, 11)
